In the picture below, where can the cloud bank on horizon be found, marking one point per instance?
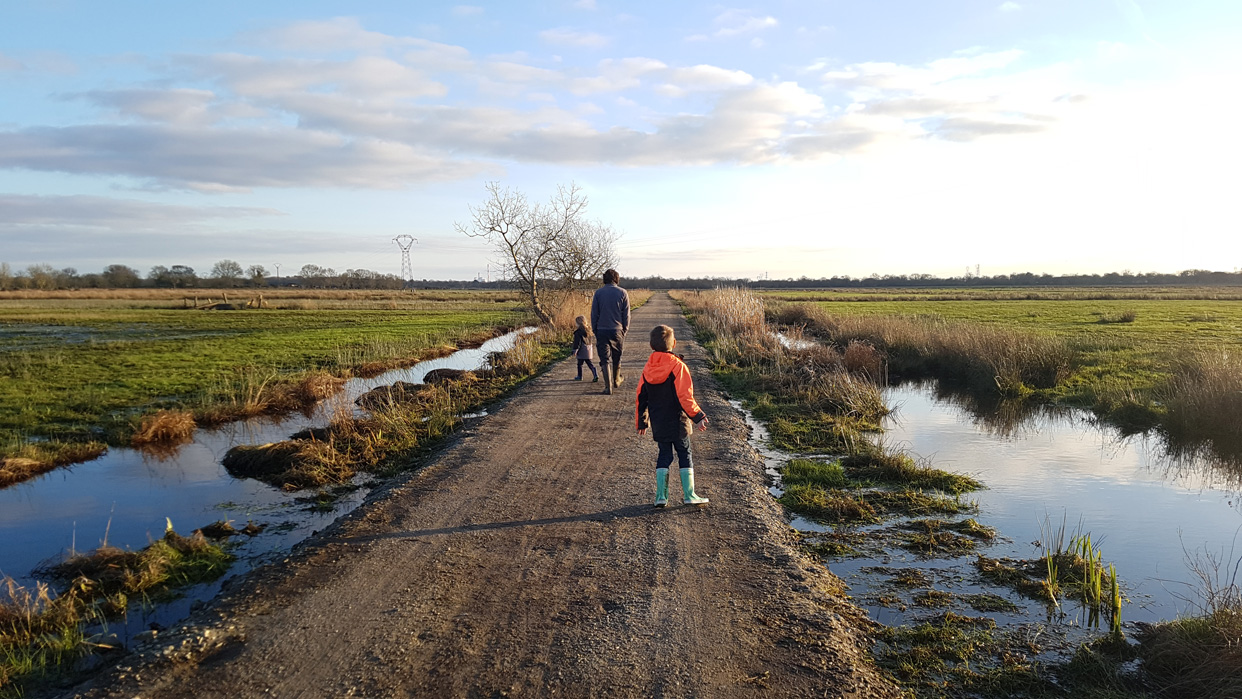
(696, 130)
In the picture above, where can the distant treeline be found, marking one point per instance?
(225, 274)
(228, 274)
(1190, 277)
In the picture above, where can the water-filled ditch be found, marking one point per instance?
(1041, 468)
(127, 494)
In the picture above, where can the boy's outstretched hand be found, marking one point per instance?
(703, 425)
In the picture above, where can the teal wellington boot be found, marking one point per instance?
(688, 495)
(661, 487)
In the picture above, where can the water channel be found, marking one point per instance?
(1147, 510)
(127, 495)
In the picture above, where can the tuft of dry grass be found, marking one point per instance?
(164, 427)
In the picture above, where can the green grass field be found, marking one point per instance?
(1114, 350)
(85, 367)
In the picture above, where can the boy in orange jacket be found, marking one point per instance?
(666, 405)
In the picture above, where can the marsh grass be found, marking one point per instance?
(1001, 360)
(943, 538)
(43, 632)
(397, 429)
(26, 460)
(880, 466)
(1202, 400)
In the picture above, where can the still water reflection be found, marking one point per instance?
(1148, 509)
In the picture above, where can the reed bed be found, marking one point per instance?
(1203, 400)
(1011, 362)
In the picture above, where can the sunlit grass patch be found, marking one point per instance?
(833, 506)
(818, 473)
(896, 468)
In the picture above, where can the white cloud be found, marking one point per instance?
(734, 22)
(563, 36)
(467, 10)
(338, 33)
(1009, 6)
(174, 106)
(370, 77)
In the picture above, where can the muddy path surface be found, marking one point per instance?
(527, 560)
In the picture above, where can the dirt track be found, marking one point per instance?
(528, 561)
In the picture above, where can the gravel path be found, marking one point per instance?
(527, 561)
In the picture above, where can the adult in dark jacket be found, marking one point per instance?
(610, 319)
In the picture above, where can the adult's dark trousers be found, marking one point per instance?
(608, 343)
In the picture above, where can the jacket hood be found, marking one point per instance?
(659, 366)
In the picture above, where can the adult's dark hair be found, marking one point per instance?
(611, 277)
(661, 338)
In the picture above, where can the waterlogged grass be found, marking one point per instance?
(78, 370)
(43, 632)
(873, 464)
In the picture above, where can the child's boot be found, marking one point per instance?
(579, 376)
(661, 487)
(688, 495)
(594, 374)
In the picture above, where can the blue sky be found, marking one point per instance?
(780, 138)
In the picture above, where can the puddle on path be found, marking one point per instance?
(1146, 511)
(128, 494)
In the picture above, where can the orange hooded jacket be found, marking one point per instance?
(665, 398)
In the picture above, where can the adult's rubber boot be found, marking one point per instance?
(616, 375)
(688, 495)
(607, 383)
(661, 487)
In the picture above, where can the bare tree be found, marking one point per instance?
(542, 241)
(582, 256)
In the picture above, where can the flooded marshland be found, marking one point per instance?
(1147, 509)
(126, 496)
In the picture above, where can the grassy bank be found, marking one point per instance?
(81, 373)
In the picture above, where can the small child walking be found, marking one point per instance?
(666, 405)
(582, 348)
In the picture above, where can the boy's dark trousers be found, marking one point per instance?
(682, 446)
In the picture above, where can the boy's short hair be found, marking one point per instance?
(661, 338)
(611, 276)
